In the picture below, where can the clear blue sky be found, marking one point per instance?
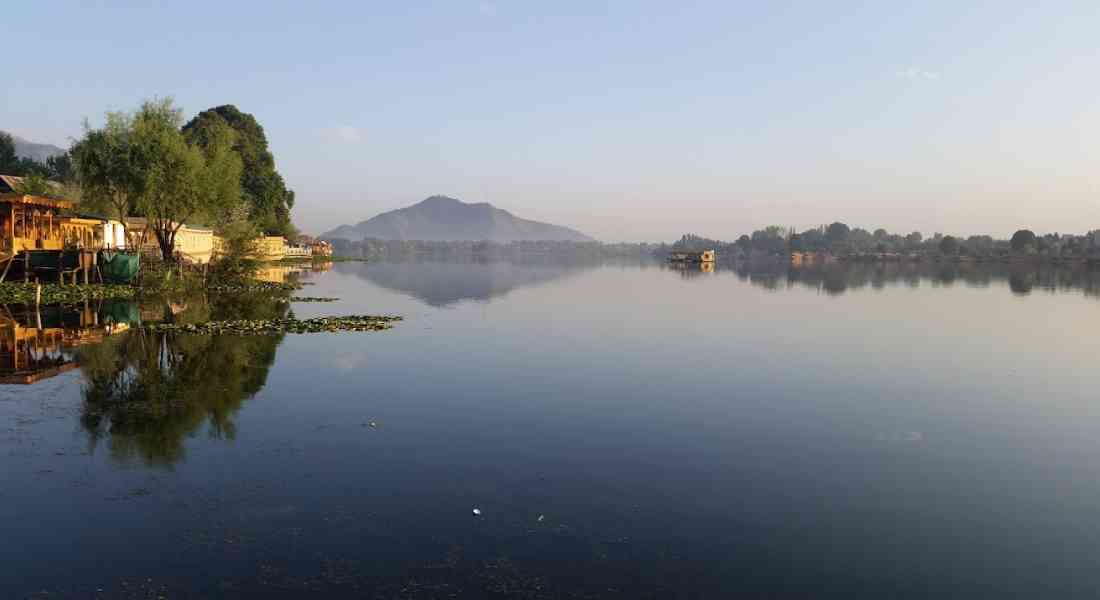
(629, 120)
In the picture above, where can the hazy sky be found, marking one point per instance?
(628, 120)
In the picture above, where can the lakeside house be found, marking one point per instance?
(193, 244)
(271, 247)
(692, 256)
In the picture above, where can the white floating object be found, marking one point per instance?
(477, 512)
(541, 517)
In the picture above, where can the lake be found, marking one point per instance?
(626, 430)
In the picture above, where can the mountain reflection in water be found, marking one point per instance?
(442, 283)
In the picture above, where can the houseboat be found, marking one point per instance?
(299, 251)
(692, 256)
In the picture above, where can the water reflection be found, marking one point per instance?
(145, 393)
(37, 343)
(447, 282)
(838, 278)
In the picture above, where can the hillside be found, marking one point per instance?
(35, 151)
(441, 218)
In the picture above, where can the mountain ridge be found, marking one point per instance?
(25, 148)
(445, 219)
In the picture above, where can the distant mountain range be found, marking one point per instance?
(33, 150)
(444, 219)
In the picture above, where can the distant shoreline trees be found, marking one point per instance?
(838, 239)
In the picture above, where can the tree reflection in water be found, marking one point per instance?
(144, 393)
(838, 278)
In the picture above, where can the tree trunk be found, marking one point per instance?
(167, 247)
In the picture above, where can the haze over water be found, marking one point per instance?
(626, 430)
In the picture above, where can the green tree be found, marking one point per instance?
(269, 199)
(837, 232)
(949, 245)
(9, 162)
(1022, 240)
(180, 182)
(105, 164)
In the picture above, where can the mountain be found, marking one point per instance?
(443, 219)
(37, 152)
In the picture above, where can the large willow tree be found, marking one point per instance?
(180, 183)
(141, 164)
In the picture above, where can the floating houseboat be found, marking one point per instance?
(41, 236)
(692, 256)
(299, 251)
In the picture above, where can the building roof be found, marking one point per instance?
(17, 198)
(11, 183)
(9, 192)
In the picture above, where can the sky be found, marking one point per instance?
(631, 120)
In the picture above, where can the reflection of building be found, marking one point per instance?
(691, 269)
(38, 344)
(276, 273)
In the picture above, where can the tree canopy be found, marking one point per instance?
(178, 181)
(105, 164)
(262, 187)
(1022, 239)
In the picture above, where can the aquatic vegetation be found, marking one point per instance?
(312, 299)
(252, 287)
(284, 325)
(24, 293)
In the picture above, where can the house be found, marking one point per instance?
(193, 244)
(271, 247)
(694, 256)
(321, 248)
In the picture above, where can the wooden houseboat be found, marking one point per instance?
(692, 256)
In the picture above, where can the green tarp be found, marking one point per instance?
(118, 267)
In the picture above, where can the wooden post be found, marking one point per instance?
(26, 266)
(37, 294)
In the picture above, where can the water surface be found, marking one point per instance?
(626, 430)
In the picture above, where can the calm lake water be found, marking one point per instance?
(626, 430)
